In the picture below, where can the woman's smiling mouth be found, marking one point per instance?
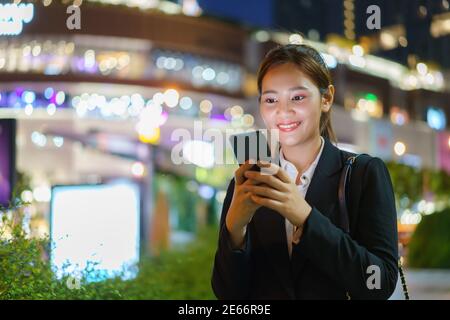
(286, 127)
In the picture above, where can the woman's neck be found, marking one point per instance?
(302, 155)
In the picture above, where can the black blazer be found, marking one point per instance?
(327, 262)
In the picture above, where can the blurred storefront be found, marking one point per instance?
(103, 102)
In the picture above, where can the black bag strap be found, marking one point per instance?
(344, 212)
(342, 192)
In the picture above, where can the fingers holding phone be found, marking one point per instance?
(239, 177)
(242, 207)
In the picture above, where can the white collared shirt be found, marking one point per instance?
(302, 182)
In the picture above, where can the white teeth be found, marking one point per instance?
(288, 126)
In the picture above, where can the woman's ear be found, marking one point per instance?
(327, 98)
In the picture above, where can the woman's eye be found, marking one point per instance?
(298, 98)
(270, 100)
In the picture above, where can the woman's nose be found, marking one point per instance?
(284, 106)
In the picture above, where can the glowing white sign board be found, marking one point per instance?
(13, 16)
(95, 224)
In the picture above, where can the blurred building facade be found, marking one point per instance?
(104, 101)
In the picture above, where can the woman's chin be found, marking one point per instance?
(289, 140)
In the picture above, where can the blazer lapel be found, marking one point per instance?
(321, 194)
(270, 225)
(271, 232)
(322, 191)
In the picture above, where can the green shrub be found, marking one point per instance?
(184, 273)
(25, 272)
(430, 243)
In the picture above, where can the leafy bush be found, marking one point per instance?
(184, 273)
(410, 182)
(430, 243)
(25, 272)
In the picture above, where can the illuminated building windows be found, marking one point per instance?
(349, 19)
(131, 59)
(399, 116)
(365, 104)
(436, 118)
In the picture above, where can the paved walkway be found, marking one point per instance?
(425, 284)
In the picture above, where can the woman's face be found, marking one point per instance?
(292, 103)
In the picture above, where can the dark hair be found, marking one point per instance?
(309, 61)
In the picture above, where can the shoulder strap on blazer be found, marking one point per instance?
(344, 181)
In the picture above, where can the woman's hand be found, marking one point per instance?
(242, 207)
(279, 193)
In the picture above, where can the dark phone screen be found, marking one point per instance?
(250, 145)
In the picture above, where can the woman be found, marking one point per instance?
(279, 234)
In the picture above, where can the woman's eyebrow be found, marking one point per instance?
(290, 89)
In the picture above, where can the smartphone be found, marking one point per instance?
(250, 145)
